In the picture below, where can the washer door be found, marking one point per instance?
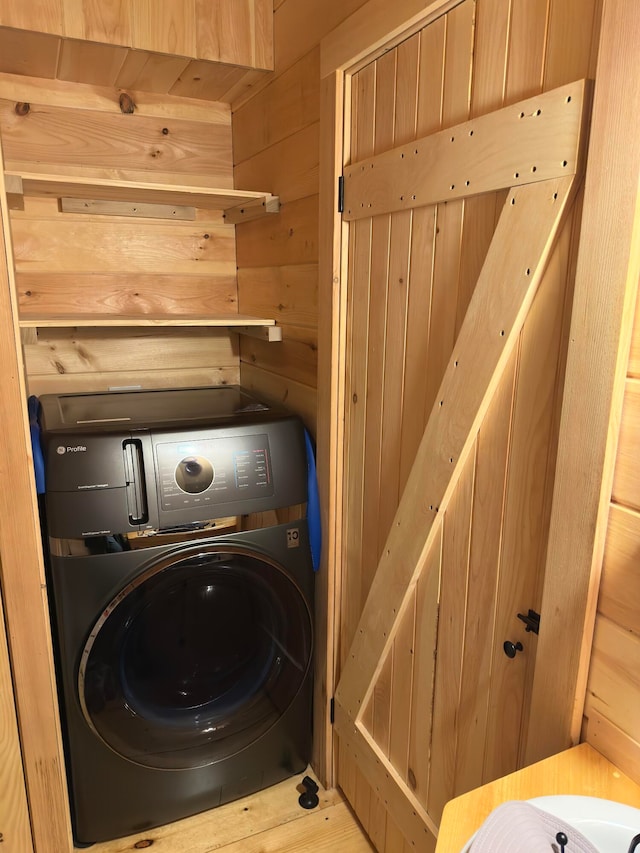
(196, 658)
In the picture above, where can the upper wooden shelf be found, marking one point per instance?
(237, 205)
(242, 323)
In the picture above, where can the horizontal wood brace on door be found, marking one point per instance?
(534, 140)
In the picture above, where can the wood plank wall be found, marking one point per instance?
(72, 264)
(612, 721)
(276, 136)
(276, 144)
(519, 49)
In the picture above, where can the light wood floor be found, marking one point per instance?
(268, 822)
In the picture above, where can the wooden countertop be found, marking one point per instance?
(581, 771)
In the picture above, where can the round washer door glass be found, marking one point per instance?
(196, 658)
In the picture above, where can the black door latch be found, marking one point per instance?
(531, 620)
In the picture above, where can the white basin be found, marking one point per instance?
(608, 825)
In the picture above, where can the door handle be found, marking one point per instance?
(134, 473)
(510, 649)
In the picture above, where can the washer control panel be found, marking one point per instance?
(212, 471)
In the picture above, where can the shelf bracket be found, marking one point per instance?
(252, 210)
(15, 191)
(263, 333)
(127, 208)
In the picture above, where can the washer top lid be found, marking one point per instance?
(112, 410)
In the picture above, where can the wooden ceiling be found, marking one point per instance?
(211, 50)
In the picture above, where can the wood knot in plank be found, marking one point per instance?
(143, 844)
(22, 108)
(127, 104)
(411, 776)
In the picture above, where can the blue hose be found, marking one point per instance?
(36, 449)
(313, 505)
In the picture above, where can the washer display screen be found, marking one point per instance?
(213, 471)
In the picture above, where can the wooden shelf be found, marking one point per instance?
(240, 323)
(238, 205)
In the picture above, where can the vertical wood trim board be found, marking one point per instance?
(606, 285)
(23, 582)
(331, 339)
(14, 812)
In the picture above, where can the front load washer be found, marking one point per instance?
(183, 641)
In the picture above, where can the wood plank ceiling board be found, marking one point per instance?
(23, 52)
(206, 80)
(152, 72)
(527, 142)
(97, 64)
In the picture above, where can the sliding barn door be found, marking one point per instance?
(461, 218)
